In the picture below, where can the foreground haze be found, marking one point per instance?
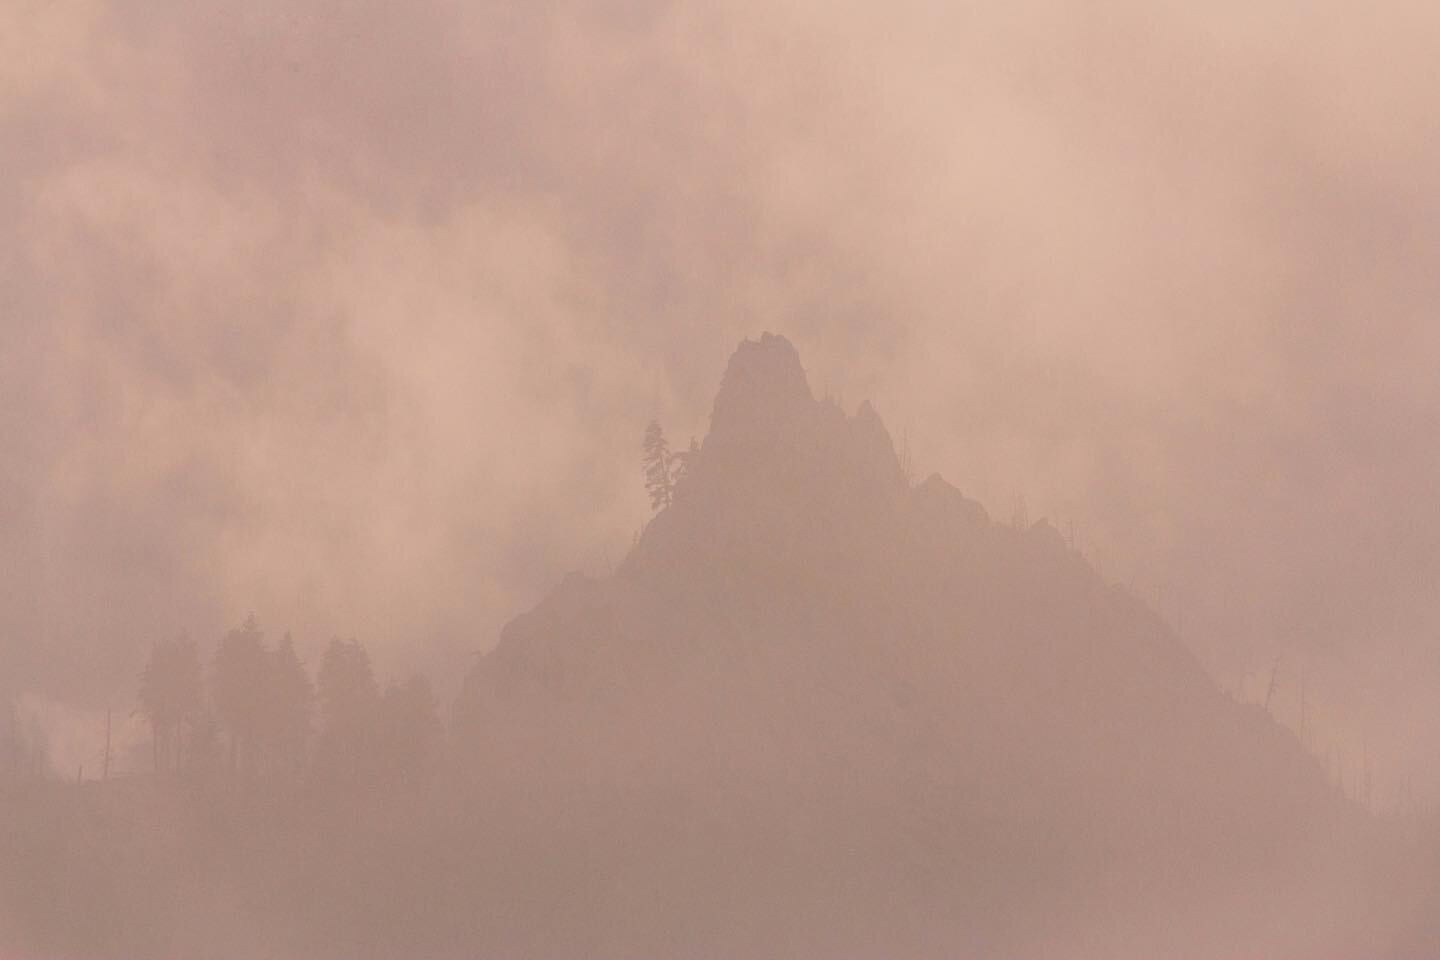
(350, 316)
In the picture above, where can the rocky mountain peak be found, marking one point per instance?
(764, 396)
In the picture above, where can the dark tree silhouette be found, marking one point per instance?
(659, 481)
(349, 714)
(170, 697)
(289, 703)
(237, 687)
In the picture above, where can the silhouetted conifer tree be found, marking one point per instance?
(289, 703)
(349, 714)
(238, 689)
(659, 481)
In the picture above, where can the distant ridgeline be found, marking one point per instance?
(819, 702)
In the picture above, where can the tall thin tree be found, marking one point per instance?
(659, 479)
(289, 702)
(350, 714)
(238, 686)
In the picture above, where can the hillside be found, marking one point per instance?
(819, 711)
(819, 708)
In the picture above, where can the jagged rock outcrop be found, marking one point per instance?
(812, 681)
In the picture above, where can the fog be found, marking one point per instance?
(351, 315)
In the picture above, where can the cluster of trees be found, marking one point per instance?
(264, 718)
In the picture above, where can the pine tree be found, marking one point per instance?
(349, 714)
(659, 481)
(289, 704)
(238, 688)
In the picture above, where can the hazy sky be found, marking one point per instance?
(352, 314)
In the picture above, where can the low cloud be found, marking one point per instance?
(351, 313)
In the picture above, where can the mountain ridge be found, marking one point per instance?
(803, 646)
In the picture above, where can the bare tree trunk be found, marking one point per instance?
(1274, 672)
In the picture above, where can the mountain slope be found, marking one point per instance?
(818, 709)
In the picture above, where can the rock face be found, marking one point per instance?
(822, 712)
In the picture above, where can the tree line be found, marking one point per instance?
(256, 714)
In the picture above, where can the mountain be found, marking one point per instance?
(822, 711)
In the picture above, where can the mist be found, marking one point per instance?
(351, 316)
